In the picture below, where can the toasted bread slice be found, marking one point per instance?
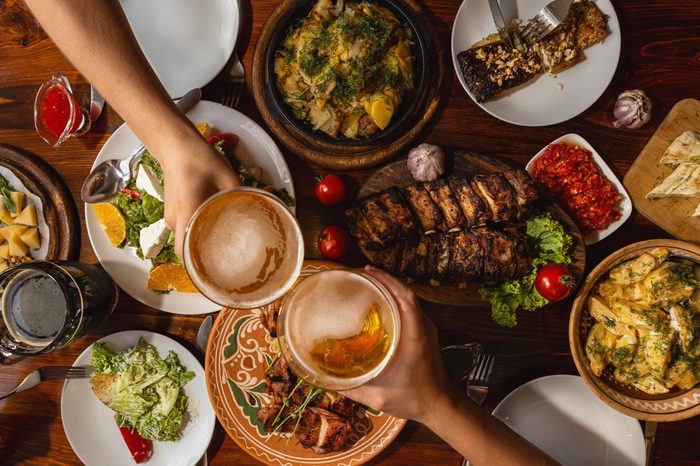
(685, 148)
(104, 386)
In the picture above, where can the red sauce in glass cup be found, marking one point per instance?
(55, 112)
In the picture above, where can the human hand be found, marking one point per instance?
(193, 171)
(415, 379)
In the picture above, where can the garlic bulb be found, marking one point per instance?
(426, 162)
(632, 109)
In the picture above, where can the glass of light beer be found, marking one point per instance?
(338, 329)
(243, 248)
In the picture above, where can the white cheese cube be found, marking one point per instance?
(147, 180)
(153, 238)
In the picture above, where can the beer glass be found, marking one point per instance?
(243, 248)
(48, 305)
(338, 329)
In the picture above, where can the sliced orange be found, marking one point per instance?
(112, 221)
(205, 129)
(168, 277)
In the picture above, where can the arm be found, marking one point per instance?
(415, 386)
(95, 36)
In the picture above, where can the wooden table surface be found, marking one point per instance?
(660, 54)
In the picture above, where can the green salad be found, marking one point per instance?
(144, 390)
(550, 244)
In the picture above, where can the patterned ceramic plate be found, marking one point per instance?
(238, 352)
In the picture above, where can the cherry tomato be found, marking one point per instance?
(554, 282)
(140, 448)
(230, 140)
(330, 189)
(131, 193)
(334, 242)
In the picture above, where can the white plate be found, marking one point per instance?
(93, 433)
(625, 203)
(186, 42)
(561, 416)
(255, 148)
(541, 101)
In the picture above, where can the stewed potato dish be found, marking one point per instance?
(345, 67)
(647, 316)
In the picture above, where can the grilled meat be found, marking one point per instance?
(323, 431)
(268, 317)
(525, 191)
(380, 220)
(473, 208)
(461, 256)
(498, 195)
(441, 194)
(422, 206)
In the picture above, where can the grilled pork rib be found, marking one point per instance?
(380, 220)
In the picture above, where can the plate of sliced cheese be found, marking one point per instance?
(664, 181)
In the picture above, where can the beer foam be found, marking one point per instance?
(330, 305)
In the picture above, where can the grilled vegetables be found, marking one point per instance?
(441, 231)
(382, 219)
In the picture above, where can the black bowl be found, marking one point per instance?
(410, 98)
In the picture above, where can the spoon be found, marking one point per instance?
(106, 179)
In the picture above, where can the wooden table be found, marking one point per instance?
(660, 54)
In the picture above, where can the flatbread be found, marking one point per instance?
(683, 182)
(685, 148)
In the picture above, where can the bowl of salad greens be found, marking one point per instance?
(146, 401)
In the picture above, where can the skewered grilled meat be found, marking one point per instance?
(380, 220)
(458, 257)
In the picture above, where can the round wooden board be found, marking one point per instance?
(677, 404)
(60, 212)
(356, 155)
(467, 163)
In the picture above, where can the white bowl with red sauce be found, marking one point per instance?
(625, 204)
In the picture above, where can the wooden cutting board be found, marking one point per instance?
(59, 209)
(469, 164)
(672, 214)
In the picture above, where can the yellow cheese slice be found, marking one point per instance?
(31, 238)
(27, 216)
(18, 200)
(17, 246)
(5, 251)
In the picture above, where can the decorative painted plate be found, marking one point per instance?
(238, 353)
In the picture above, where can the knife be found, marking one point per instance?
(500, 22)
(201, 343)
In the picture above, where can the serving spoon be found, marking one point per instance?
(111, 175)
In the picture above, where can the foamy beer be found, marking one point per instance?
(338, 329)
(243, 248)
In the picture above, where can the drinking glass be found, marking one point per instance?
(57, 114)
(317, 292)
(48, 305)
(243, 248)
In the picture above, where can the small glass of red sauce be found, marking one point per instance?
(57, 114)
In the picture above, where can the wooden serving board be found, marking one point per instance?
(59, 209)
(469, 164)
(675, 215)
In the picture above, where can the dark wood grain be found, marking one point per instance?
(466, 163)
(660, 54)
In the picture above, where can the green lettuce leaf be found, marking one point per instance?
(151, 207)
(550, 242)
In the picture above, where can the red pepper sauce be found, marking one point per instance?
(55, 112)
(570, 175)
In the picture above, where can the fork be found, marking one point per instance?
(51, 373)
(233, 93)
(545, 21)
(479, 378)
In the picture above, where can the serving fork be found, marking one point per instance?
(51, 373)
(545, 21)
(236, 83)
